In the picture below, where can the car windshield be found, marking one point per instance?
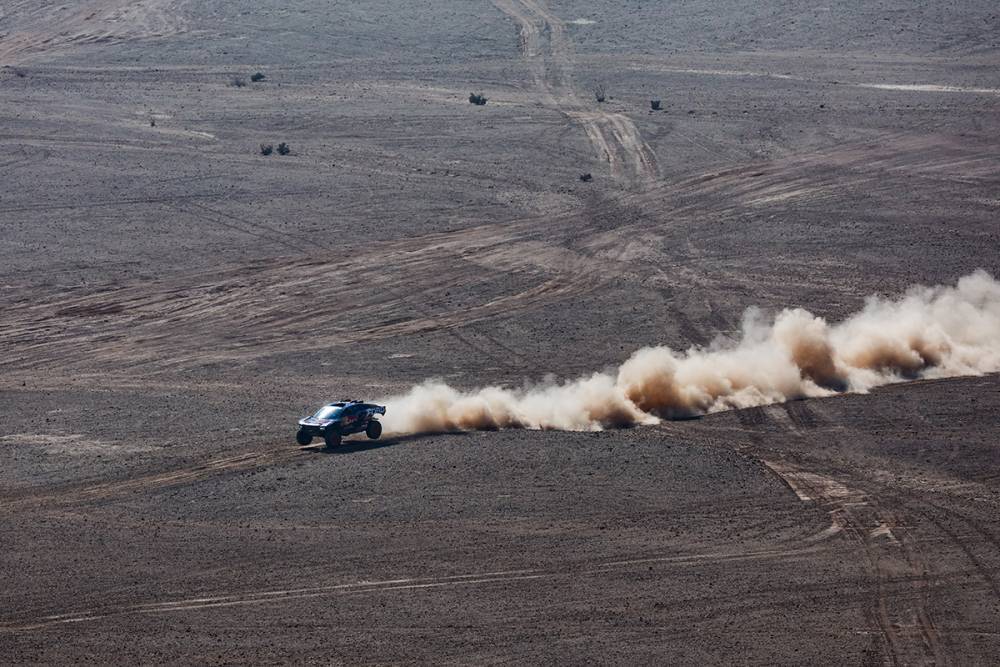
(328, 412)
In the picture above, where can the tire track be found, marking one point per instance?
(245, 312)
(583, 569)
(986, 573)
(888, 551)
(44, 27)
(262, 232)
(801, 414)
(102, 491)
(549, 55)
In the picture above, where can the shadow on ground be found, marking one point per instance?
(356, 446)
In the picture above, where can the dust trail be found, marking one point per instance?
(929, 332)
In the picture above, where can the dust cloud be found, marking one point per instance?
(929, 332)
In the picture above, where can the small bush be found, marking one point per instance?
(283, 149)
(257, 76)
(654, 105)
(20, 73)
(237, 82)
(586, 178)
(267, 149)
(600, 93)
(479, 99)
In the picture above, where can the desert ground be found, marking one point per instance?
(172, 301)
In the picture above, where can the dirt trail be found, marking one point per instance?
(586, 569)
(34, 28)
(902, 609)
(166, 327)
(91, 492)
(549, 54)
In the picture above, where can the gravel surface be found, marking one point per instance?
(172, 300)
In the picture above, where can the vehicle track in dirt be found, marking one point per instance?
(548, 52)
(100, 491)
(902, 607)
(932, 512)
(921, 539)
(140, 318)
(549, 268)
(126, 327)
(172, 277)
(584, 569)
(40, 28)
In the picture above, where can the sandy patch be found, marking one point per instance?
(69, 443)
(928, 88)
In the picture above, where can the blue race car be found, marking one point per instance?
(335, 420)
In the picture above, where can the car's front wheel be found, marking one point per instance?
(374, 430)
(332, 437)
(303, 437)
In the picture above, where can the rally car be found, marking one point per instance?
(335, 420)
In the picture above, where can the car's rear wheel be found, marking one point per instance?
(374, 430)
(303, 437)
(332, 437)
